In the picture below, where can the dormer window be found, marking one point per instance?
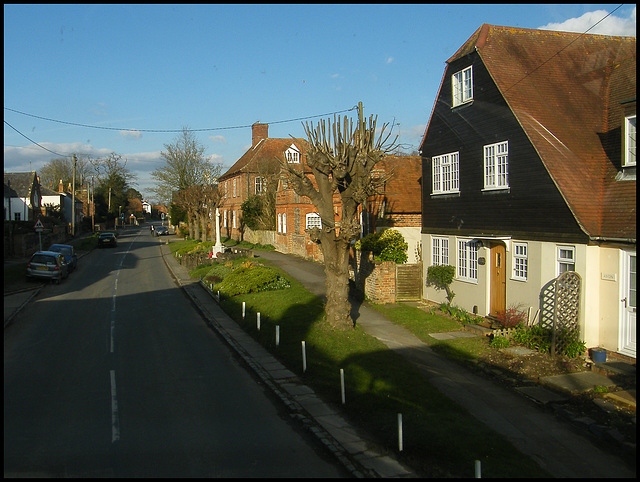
(292, 155)
(462, 87)
(630, 141)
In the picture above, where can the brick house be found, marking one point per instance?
(251, 174)
(529, 172)
(397, 207)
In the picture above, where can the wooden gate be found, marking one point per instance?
(409, 282)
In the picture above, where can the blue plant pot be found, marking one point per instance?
(599, 356)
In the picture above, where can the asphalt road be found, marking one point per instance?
(113, 373)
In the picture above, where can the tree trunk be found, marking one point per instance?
(336, 268)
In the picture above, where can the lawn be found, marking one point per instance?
(441, 439)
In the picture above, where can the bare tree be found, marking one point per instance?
(341, 158)
(61, 169)
(185, 166)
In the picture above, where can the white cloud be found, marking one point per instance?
(132, 133)
(215, 158)
(611, 25)
(389, 60)
(220, 139)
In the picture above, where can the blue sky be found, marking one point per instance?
(128, 70)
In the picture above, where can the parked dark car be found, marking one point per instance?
(68, 252)
(107, 239)
(162, 231)
(47, 265)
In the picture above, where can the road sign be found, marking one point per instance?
(39, 227)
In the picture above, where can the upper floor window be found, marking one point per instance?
(496, 166)
(260, 185)
(630, 141)
(445, 171)
(234, 188)
(292, 154)
(566, 259)
(313, 221)
(440, 251)
(462, 86)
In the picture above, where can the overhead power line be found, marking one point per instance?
(34, 142)
(170, 130)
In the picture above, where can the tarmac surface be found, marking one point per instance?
(555, 445)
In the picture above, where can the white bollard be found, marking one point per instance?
(400, 432)
(342, 384)
(243, 309)
(304, 358)
(478, 470)
(258, 321)
(218, 295)
(277, 335)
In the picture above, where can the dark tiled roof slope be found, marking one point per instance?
(565, 90)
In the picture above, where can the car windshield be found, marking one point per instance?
(61, 249)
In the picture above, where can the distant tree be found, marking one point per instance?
(61, 169)
(341, 158)
(114, 180)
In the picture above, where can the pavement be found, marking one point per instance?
(518, 415)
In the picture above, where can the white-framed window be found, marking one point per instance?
(234, 223)
(445, 169)
(566, 259)
(520, 261)
(467, 260)
(292, 155)
(630, 141)
(279, 222)
(312, 220)
(260, 185)
(224, 218)
(284, 223)
(462, 86)
(496, 165)
(439, 250)
(234, 189)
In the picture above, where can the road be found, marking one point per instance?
(114, 373)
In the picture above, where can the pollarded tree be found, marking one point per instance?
(341, 158)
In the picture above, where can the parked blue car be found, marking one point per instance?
(68, 252)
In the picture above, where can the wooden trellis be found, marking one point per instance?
(566, 301)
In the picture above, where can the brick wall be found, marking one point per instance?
(376, 279)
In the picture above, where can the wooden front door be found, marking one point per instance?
(498, 288)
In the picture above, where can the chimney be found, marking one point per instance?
(258, 133)
(60, 187)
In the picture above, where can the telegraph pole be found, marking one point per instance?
(73, 198)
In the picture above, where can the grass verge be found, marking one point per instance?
(441, 439)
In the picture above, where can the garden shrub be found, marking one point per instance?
(499, 342)
(250, 279)
(441, 276)
(512, 317)
(388, 245)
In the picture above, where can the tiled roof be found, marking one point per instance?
(21, 182)
(404, 189)
(561, 86)
(265, 151)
